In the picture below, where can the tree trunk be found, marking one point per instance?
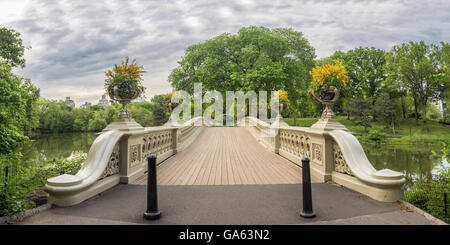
(444, 106)
(374, 113)
(424, 116)
(403, 107)
(415, 110)
(393, 124)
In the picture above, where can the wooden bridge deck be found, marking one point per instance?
(226, 156)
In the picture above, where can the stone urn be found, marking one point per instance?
(327, 95)
(124, 93)
(124, 96)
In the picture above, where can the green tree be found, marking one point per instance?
(11, 48)
(360, 109)
(160, 115)
(160, 100)
(12, 110)
(82, 118)
(385, 110)
(256, 58)
(142, 116)
(365, 67)
(98, 121)
(416, 65)
(55, 116)
(31, 109)
(444, 76)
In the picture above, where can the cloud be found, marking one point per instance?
(75, 42)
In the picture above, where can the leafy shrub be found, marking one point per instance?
(418, 197)
(429, 193)
(23, 178)
(377, 136)
(13, 188)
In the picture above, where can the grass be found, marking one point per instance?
(301, 122)
(406, 132)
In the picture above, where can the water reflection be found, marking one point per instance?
(415, 161)
(54, 146)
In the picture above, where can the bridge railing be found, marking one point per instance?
(120, 157)
(335, 155)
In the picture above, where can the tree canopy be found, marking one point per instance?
(365, 70)
(256, 58)
(11, 48)
(416, 66)
(15, 92)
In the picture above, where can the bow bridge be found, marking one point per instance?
(254, 153)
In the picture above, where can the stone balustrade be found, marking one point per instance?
(336, 155)
(119, 157)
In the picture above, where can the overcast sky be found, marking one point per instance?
(75, 42)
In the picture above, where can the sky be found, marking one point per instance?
(74, 42)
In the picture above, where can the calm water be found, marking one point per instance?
(54, 146)
(412, 160)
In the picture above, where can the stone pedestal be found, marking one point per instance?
(327, 122)
(123, 124)
(279, 123)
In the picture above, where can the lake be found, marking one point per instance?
(55, 146)
(412, 160)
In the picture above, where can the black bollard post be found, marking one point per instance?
(307, 196)
(152, 212)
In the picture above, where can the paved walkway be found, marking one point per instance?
(226, 156)
(230, 204)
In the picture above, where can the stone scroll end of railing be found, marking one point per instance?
(106, 165)
(98, 172)
(336, 155)
(352, 169)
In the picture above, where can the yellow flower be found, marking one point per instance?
(322, 74)
(282, 94)
(126, 70)
(165, 96)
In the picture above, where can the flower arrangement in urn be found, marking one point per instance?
(124, 83)
(168, 100)
(283, 98)
(327, 80)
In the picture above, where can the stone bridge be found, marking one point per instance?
(254, 153)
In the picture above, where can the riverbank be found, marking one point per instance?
(406, 132)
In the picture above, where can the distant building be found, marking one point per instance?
(103, 101)
(85, 105)
(69, 102)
